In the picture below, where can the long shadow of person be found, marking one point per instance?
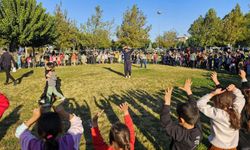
(85, 114)
(114, 71)
(27, 74)
(9, 120)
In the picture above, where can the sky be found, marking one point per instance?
(175, 15)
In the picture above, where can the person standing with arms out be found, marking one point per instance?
(127, 62)
(5, 62)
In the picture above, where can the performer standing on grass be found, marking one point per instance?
(127, 61)
(5, 62)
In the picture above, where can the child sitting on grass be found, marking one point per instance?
(51, 78)
(224, 116)
(121, 136)
(187, 134)
(49, 126)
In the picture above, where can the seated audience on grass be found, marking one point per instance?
(224, 116)
(121, 136)
(49, 128)
(244, 135)
(187, 133)
(4, 104)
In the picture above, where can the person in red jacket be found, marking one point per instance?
(121, 136)
(4, 104)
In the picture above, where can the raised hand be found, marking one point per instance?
(36, 113)
(231, 88)
(95, 118)
(217, 92)
(168, 94)
(124, 107)
(242, 74)
(187, 86)
(214, 77)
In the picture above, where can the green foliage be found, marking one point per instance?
(233, 26)
(25, 23)
(167, 40)
(96, 33)
(205, 31)
(66, 29)
(133, 30)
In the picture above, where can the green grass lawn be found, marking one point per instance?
(90, 88)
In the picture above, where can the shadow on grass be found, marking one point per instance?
(114, 71)
(85, 114)
(27, 74)
(9, 120)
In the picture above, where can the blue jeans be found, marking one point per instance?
(144, 61)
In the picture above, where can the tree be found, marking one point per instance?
(66, 29)
(24, 23)
(196, 31)
(133, 30)
(233, 26)
(168, 40)
(97, 33)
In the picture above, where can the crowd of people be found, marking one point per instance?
(228, 109)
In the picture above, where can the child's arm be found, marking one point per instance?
(245, 84)
(207, 109)
(22, 131)
(239, 101)
(214, 78)
(76, 128)
(98, 141)
(187, 89)
(129, 122)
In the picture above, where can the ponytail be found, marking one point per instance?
(234, 118)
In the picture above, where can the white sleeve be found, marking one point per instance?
(20, 129)
(207, 109)
(239, 101)
(76, 130)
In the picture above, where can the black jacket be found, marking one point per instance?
(6, 59)
(182, 138)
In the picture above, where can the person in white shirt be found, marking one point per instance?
(224, 116)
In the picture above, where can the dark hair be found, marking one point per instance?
(5, 49)
(225, 101)
(119, 133)
(49, 126)
(188, 112)
(51, 65)
(246, 123)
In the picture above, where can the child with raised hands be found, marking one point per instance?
(187, 133)
(224, 116)
(244, 135)
(49, 129)
(121, 136)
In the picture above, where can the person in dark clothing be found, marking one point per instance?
(244, 132)
(188, 133)
(127, 61)
(5, 62)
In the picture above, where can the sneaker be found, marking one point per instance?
(126, 76)
(42, 101)
(6, 83)
(129, 77)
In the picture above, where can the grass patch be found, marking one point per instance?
(94, 87)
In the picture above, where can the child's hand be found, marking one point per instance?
(215, 78)
(168, 93)
(217, 92)
(187, 87)
(36, 113)
(124, 108)
(231, 88)
(95, 118)
(242, 74)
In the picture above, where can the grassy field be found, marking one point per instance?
(90, 88)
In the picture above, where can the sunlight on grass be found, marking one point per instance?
(94, 87)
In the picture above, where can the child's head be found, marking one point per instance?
(225, 101)
(187, 113)
(49, 125)
(119, 136)
(51, 66)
